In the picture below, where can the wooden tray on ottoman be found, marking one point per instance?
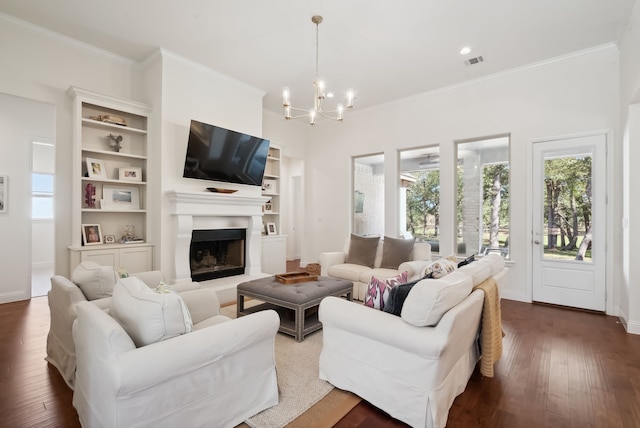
(295, 277)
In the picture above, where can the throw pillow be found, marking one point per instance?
(378, 290)
(395, 251)
(148, 316)
(466, 261)
(362, 250)
(95, 281)
(397, 296)
(440, 268)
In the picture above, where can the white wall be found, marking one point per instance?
(21, 121)
(629, 276)
(571, 95)
(181, 90)
(40, 65)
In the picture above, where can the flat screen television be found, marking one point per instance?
(219, 154)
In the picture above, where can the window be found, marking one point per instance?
(42, 177)
(368, 195)
(41, 196)
(483, 196)
(420, 194)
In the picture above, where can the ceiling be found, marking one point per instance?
(384, 50)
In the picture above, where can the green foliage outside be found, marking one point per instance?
(567, 208)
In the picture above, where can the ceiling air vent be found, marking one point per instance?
(474, 61)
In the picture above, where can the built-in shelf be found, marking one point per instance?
(121, 153)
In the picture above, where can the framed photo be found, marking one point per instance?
(4, 193)
(91, 234)
(120, 198)
(271, 229)
(269, 187)
(130, 174)
(268, 207)
(96, 168)
(109, 239)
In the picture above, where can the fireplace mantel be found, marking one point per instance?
(204, 210)
(210, 203)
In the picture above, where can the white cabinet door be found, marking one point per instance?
(136, 259)
(274, 250)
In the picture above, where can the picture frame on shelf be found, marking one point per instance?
(109, 239)
(4, 193)
(120, 198)
(269, 187)
(91, 234)
(96, 168)
(271, 229)
(268, 207)
(130, 174)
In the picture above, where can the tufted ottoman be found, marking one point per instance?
(301, 300)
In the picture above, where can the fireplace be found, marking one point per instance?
(217, 253)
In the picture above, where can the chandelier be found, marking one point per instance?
(319, 94)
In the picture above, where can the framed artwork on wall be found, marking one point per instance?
(4, 194)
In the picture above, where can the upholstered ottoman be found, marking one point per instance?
(297, 304)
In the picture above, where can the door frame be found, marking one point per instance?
(609, 228)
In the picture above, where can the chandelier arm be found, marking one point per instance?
(327, 116)
(300, 109)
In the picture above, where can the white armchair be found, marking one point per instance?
(218, 376)
(65, 294)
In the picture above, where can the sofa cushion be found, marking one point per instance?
(441, 267)
(477, 271)
(378, 290)
(395, 251)
(430, 299)
(365, 276)
(495, 262)
(350, 272)
(362, 250)
(95, 281)
(148, 316)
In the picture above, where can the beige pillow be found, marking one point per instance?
(362, 250)
(395, 251)
(95, 281)
(148, 316)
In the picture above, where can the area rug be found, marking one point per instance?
(299, 385)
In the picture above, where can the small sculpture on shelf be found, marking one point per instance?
(90, 195)
(114, 142)
(129, 237)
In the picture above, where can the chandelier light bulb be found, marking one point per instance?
(286, 101)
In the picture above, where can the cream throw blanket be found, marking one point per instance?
(491, 330)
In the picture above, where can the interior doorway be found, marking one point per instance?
(42, 216)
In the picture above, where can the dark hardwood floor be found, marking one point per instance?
(560, 368)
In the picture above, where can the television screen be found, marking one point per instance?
(219, 154)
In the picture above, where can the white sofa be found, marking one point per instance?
(334, 264)
(411, 372)
(65, 294)
(217, 375)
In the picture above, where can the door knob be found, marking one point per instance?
(536, 242)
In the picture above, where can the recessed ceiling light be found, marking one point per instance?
(465, 50)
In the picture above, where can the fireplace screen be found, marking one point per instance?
(217, 253)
